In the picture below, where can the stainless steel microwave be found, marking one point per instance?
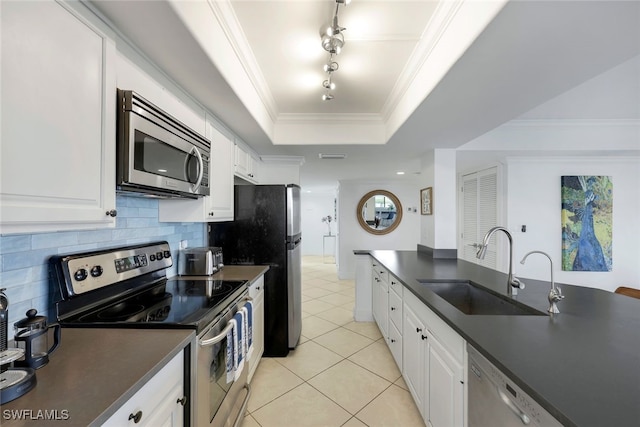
(158, 156)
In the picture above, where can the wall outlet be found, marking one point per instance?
(183, 244)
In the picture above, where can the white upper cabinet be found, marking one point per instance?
(246, 166)
(58, 120)
(218, 206)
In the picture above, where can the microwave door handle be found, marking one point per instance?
(196, 186)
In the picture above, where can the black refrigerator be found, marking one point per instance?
(266, 231)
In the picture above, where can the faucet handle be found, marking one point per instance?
(517, 283)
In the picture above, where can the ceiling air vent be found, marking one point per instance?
(332, 156)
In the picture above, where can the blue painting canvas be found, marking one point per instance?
(587, 207)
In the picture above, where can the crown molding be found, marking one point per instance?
(224, 13)
(442, 16)
(519, 123)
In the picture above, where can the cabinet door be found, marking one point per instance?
(156, 403)
(241, 162)
(169, 412)
(383, 308)
(220, 206)
(58, 127)
(415, 355)
(256, 291)
(446, 388)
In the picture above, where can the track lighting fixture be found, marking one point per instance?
(332, 41)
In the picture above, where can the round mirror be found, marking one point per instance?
(379, 212)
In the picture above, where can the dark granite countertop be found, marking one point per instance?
(582, 365)
(237, 272)
(94, 372)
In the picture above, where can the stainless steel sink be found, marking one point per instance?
(475, 300)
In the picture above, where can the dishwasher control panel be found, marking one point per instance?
(490, 385)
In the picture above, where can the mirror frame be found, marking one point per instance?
(366, 226)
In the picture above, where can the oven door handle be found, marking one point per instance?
(217, 338)
(222, 335)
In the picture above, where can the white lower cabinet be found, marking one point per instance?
(256, 292)
(433, 365)
(445, 396)
(160, 402)
(415, 356)
(380, 299)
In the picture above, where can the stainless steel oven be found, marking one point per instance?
(157, 155)
(220, 401)
(127, 287)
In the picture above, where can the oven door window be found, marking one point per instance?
(159, 158)
(218, 386)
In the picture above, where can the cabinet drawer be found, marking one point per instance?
(395, 308)
(396, 285)
(257, 288)
(381, 272)
(395, 344)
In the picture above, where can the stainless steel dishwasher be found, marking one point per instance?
(495, 401)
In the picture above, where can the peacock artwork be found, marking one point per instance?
(587, 211)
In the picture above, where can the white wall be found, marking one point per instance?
(533, 199)
(279, 173)
(352, 236)
(438, 231)
(314, 207)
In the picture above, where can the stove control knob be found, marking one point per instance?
(152, 257)
(96, 271)
(167, 254)
(80, 275)
(158, 256)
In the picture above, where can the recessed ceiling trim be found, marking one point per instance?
(440, 20)
(316, 132)
(224, 13)
(329, 118)
(457, 25)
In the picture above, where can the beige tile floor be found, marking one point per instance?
(341, 373)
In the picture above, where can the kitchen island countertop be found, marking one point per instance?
(582, 365)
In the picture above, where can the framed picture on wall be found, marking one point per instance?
(426, 201)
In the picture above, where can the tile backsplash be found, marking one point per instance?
(23, 257)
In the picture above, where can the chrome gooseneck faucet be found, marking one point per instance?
(513, 283)
(555, 294)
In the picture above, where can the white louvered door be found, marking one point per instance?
(479, 214)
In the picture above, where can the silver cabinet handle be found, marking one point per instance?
(112, 213)
(523, 417)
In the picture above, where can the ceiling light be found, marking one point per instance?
(399, 173)
(332, 156)
(332, 41)
(331, 67)
(328, 84)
